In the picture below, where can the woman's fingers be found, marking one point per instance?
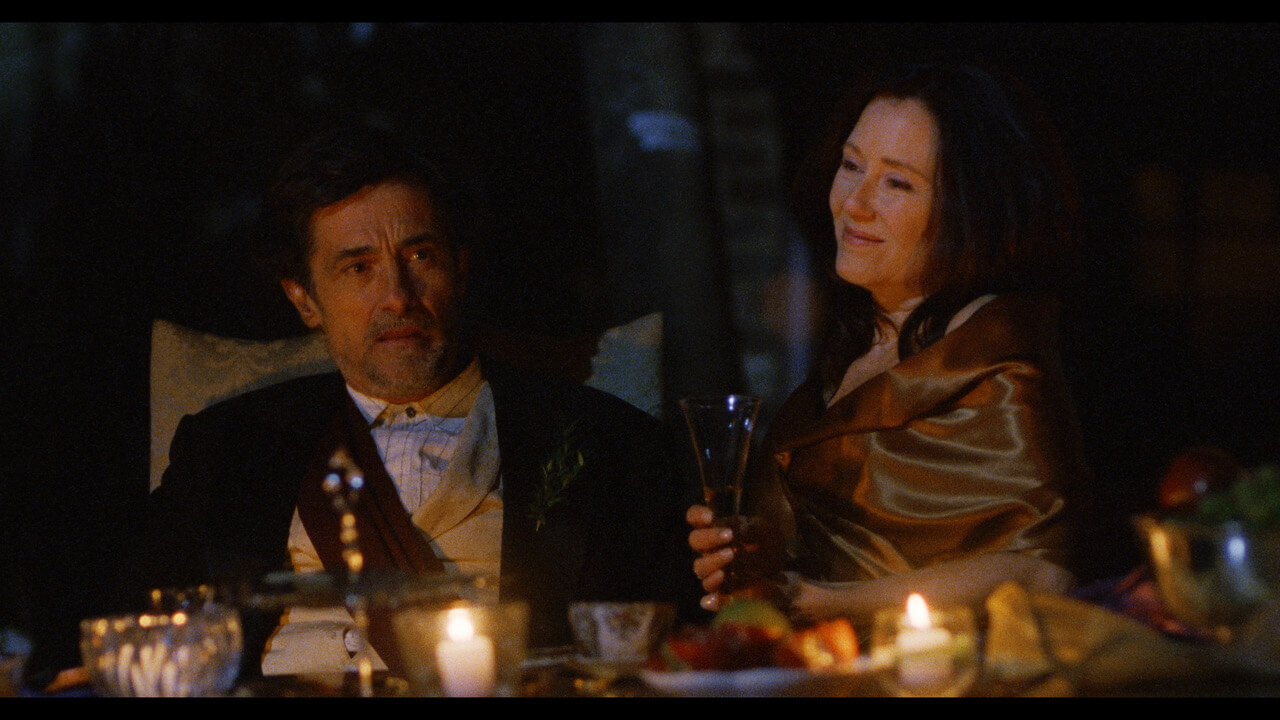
(712, 543)
(710, 568)
(712, 582)
(707, 540)
(699, 516)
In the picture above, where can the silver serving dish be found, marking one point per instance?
(1213, 578)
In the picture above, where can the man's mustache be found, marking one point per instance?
(421, 323)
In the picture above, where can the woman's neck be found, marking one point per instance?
(893, 304)
(899, 314)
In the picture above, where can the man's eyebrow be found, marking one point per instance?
(431, 237)
(426, 238)
(351, 252)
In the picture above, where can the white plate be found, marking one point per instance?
(851, 680)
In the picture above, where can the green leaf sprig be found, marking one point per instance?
(1253, 501)
(557, 472)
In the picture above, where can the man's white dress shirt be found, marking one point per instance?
(442, 454)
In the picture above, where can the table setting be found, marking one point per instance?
(1031, 645)
(1200, 617)
(1020, 644)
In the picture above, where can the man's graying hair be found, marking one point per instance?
(332, 165)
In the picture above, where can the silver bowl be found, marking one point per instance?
(1213, 578)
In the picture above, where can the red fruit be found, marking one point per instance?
(745, 646)
(822, 645)
(1194, 473)
(787, 655)
(839, 637)
(689, 649)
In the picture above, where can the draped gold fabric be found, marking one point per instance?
(966, 447)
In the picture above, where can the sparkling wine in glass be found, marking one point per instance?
(721, 428)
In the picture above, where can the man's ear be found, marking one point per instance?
(301, 299)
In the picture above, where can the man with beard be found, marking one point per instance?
(371, 247)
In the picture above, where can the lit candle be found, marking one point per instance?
(465, 661)
(924, 651)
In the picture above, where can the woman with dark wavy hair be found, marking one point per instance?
(934, 446)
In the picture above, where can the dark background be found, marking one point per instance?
(136, 153)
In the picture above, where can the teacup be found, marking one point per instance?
(620, 632)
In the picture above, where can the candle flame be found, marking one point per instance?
(459, 626)
(917, 611)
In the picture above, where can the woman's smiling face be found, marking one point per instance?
(882, 200)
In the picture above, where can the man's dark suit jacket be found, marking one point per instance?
(223, 510)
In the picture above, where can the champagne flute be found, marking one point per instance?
(721, 428)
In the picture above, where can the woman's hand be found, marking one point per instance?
(742, 555)
(715, 551)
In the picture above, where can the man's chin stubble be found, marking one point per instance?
(423, 376)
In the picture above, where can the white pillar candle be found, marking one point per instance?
(924, 651)
(465, 661)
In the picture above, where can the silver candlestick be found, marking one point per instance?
(343, 483)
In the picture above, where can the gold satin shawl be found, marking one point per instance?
(964, 448)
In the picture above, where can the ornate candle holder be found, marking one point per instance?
(343, 483)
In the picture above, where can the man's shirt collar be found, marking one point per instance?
(454, 400)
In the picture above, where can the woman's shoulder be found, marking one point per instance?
(1003, 329)
(967, 311)
(1020, 319)
(1009, 307)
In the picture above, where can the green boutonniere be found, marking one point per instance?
(557, 472)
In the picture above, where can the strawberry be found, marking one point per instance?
(689, 648)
